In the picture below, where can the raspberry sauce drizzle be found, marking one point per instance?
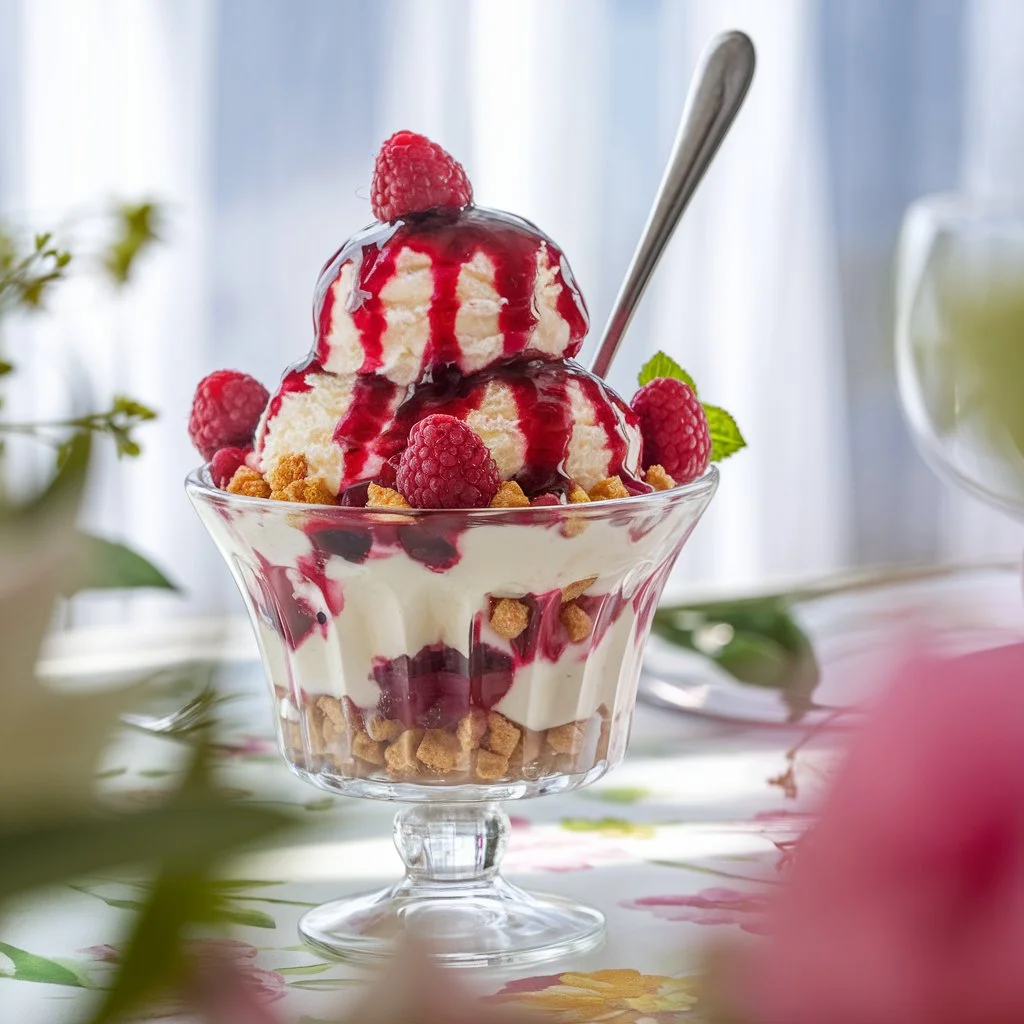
(294, 381)
(450, 240)
(372, 406)
(540, 392)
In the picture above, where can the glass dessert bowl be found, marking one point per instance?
(451, 660)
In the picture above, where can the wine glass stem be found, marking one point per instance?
(446, 843)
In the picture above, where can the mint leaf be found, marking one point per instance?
(661, 365)
(726, 438)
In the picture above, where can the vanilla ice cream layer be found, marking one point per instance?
(393, 604)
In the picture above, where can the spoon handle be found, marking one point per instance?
(716, 94)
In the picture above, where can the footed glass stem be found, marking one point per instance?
(453, 895)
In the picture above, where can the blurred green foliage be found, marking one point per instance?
(53, 827)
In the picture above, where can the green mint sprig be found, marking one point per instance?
(726, 438)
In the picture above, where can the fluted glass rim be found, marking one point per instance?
(199, 484)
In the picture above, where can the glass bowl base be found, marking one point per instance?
(482, 924)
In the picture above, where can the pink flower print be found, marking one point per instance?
(106, 954)
(716, 906)
(555, 850)
(224, 973)
(250, 746)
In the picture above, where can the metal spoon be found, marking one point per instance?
(716, 94)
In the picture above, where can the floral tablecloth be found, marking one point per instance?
(676, 845)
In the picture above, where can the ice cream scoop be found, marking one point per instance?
(547, 425)
(465, 289)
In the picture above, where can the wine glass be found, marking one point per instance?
(451, 660)
(960, 342)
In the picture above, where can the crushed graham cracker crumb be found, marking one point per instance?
(610, 487)
(248, 482)
(577, 496)
(287, 470)
(659, 479)
(331, 731)
(384, 729)
(510, 495)
(573, 527)
(566, 739)
(367, 749)
(509, 617)
(331, 709)
(577, 622)
(312, 492)
(502, 735)
(384, 497)
(471, 728)
(353, 716)
(489, 766)
(574, 590)
(400, 756)
(440, 751)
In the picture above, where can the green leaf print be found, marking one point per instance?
(29, 967)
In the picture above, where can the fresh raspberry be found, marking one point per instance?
(446, 465)
(225, 463)
(413, 175)
(225, 411)
(388, 475)
(544, 500)
(674, 428)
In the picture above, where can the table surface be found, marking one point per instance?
(688, 823)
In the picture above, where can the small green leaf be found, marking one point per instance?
(125, 445)
(232, 884)
(137, 229)
(661, 365)
(5, 367)
(621, 794)
(111, 901)
(756, 660)
(726, 438)
(107, 565)
(325, 984)
(308, 970)
(608, 826)
(130, 407)
(29, 967)
(325, 804)
(245, 915)
(762, 644)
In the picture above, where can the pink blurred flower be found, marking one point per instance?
(906, 901)
(712, 906)
(224, 977)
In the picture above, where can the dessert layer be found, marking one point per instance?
(536, 613)
(547, 425)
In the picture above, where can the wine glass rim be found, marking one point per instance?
(973, 205)
(200, 483)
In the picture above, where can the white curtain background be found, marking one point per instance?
(255, 122)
